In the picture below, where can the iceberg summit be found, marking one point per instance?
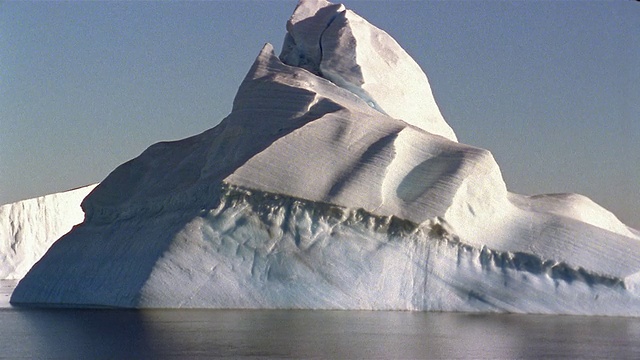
(334, 183)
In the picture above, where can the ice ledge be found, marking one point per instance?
(265, 204)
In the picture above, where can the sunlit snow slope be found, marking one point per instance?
(29, 227)
(334, 183)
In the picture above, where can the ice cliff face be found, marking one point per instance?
(334, 183)
(29, 227)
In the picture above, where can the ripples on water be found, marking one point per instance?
(276, 334)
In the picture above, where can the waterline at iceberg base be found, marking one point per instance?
(334, 183)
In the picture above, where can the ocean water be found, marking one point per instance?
(297, 334)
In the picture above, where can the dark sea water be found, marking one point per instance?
(296, 334)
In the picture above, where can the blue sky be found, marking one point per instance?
(551, 88)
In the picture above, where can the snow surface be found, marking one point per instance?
(315, 192)
(29, 227)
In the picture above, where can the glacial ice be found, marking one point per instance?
(318, 191)
(29, 227)
(341, 46)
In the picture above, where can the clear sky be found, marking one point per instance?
(551, 88)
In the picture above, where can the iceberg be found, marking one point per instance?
(334, 183)
(29, 227)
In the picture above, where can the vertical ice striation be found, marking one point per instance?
(29, 227)
(302, 45)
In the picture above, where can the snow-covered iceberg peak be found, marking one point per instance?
(341, 46)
